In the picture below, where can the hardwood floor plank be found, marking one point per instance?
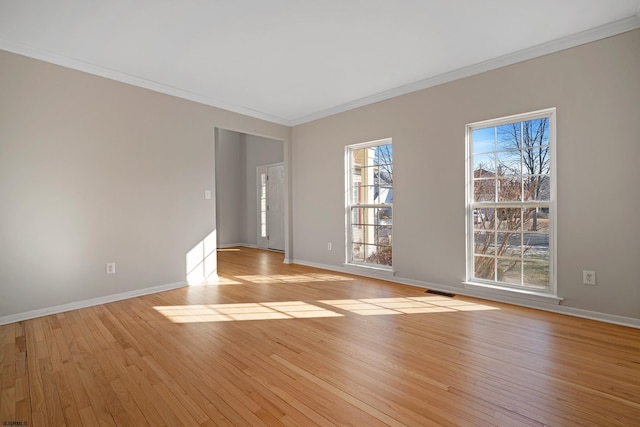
(276, 344)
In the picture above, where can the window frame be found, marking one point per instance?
(471, 205)
(350, 205)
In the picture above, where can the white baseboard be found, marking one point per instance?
(235, 245)
(524, 302)
(18, 317)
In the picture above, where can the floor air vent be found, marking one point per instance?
(444, 294)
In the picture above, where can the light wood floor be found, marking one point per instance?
(273, 344)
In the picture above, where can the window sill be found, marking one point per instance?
(514, 293)
(369, 269)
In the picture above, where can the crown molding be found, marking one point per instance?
(597, 33)
(75, 64)
(593, 34)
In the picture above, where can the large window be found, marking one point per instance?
(510, 202)
(370, 204)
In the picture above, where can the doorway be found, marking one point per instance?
(270, 186)
(238, 220)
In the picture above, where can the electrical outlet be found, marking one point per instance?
(110, 268)
(588, 277)
(329, 246)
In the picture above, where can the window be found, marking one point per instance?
(370, 204)
(511, 202)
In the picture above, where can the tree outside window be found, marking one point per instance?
(510, 202)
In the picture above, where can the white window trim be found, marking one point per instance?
(546, 295)
(380, 269)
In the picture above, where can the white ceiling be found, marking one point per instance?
(291, 61)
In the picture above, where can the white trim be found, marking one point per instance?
(527, 294)
(376, 143)
(587, 36)
(470, 204)
(378, 271)
(349, 205)
(517, 300)
(233, 245)
(18, 317)
(75, 64)
(591, 35)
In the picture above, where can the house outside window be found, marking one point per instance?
(511, 202)
(369, 182)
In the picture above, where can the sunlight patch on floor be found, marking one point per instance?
(402, 305)
(293, 278)
(305, 310)
(243, 311)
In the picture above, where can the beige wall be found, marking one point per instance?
(596, 90)
(94, 171)
(230, 185)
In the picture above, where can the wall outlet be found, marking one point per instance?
(110, 268)
(329, 246)
(588, 277)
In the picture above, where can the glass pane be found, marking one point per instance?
(536, 274)
(385, 175)
(383, 237)
(263, 224)
(484, 165)
(483, 140)
(536, 247)
(509, 219)
(508, 163)
(536, 161)
(537, 187)
(367, 175)
(484, 190)
(384, 194)
(508, 245)
(385, 216)
(484, 267)
(509, 271)
(358, 158)
(358, 234)
(357, 252)
(484, 243)
(364, 194)
(363, 215)
(509, 188)
(384, 155)
(370, 253)
(385, 255)
(536, 219)
(371, 234)
(509, 136)
(535, 132)
(483, 218)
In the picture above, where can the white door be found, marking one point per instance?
(271, 206)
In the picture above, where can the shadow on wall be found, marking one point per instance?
(201, 261)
